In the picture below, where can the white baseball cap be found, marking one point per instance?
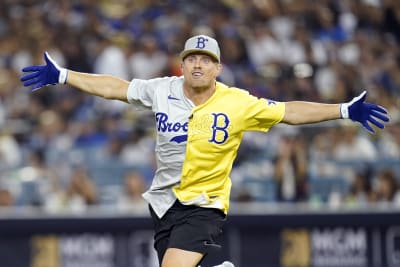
(201, 44)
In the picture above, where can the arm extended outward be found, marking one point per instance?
(298, 112)
(106, 86)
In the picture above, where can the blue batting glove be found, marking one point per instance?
(40, 76)
(363, 112)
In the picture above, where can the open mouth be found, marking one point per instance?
(197, 74)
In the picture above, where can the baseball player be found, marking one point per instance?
(200, 123)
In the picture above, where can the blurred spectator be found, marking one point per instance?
(81, 186)
(360, 191)
(37, 181)
(391, 17)
(353, 145)
(327, 28)
(321, 153)
(131, 198)
(352, 151)
(10, 152)
(291, 171)
(6, 198)
(51, 137)
(386, 188)
(139, 148)
(149, 61)
(111, 58)
(88, 133)
(263, 48)
(80, 193)
(342, 47)
(389, 143)
(111, 151)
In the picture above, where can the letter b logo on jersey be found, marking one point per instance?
(201, 42)
(219, 128)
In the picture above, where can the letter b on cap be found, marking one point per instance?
(201, 42)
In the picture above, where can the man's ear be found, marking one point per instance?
(219, 68)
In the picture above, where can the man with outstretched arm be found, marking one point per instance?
(200, 123)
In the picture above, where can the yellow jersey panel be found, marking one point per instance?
(215, 130)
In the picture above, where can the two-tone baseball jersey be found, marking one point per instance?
(196, 145)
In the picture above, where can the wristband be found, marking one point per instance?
(344, 110)
(62, 78)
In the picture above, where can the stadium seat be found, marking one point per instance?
(355, 164)
(323, 186)
(113, 172)
(261, 189)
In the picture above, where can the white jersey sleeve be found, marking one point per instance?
(141, 93)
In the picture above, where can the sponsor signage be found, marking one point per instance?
(324, 247)
(249, 240)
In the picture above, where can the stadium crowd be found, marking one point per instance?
(63, 150)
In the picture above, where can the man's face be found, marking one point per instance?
(200, 71)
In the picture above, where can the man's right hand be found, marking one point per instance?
(43, 75)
